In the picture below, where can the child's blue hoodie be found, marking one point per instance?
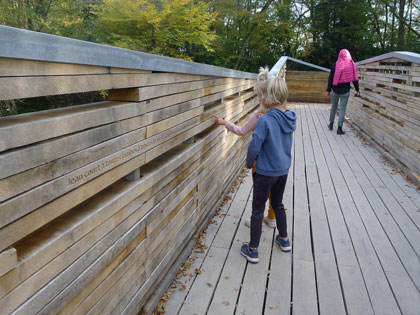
(271, 143)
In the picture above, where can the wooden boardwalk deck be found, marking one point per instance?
(355, 226)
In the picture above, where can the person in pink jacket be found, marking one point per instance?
(244, 130)
(342, 73)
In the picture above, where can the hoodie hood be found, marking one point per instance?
(286, 120)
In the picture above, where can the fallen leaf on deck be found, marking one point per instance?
(226, 277)
(225, 303)
(273, 307)
(197, 271)
(182, 287)
(187, 265)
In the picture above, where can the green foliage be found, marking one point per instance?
(339, 24)
(167, 27)
(240, 34)
(251, 33)
(70, 18)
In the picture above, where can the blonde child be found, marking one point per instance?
(271, 149)
(244, 130)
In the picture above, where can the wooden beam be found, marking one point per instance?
(8, 260)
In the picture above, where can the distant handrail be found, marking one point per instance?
(24, 44)
(282, 61)
(404, 55)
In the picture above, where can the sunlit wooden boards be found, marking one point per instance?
(8, 260)
(75, 235)
(307, 86)
(389, 108)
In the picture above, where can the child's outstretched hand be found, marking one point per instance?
(218, 120)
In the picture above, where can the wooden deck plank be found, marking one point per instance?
(404, 193)
(330, 295)
(381, 295)
(202, 290)
(177, 298)
(355, 293)
(304, 282)
(279, 290)
(226, 233)
(302, 248)
(227, 290)
(375, 222)
(369, 180)
(362, 261)
(254, 283)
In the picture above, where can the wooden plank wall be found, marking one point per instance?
(307, 86)
(76, 235)
(389, 109)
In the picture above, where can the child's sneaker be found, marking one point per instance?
(250, 254)
(284, 244)
(270, 222)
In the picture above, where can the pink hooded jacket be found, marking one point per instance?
(345, 69)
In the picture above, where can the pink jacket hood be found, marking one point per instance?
(345, 69)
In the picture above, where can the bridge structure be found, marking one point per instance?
(101, 204)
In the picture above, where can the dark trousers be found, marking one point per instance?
(263, 185)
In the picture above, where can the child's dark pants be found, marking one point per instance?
(262, 187)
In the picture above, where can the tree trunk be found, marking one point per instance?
(393, 26)
(401, 25)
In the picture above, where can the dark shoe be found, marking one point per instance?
(284, 244)
(340, 131)
(250, 254)
(330, 126)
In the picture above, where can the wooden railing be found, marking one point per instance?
(307, 86)
(388, 110)
(98, 201)
(304, 86)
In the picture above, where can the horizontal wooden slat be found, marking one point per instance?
(55, 123)
(17, 161)
(8, 260)
(24, 87)
(148, 92)
(307, 86)
(10, 67)
(388, 110)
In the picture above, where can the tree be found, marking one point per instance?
(167, 27)
(71, 18)
(251, 33)
(340, 24)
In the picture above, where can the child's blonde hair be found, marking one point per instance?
(272, 89)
